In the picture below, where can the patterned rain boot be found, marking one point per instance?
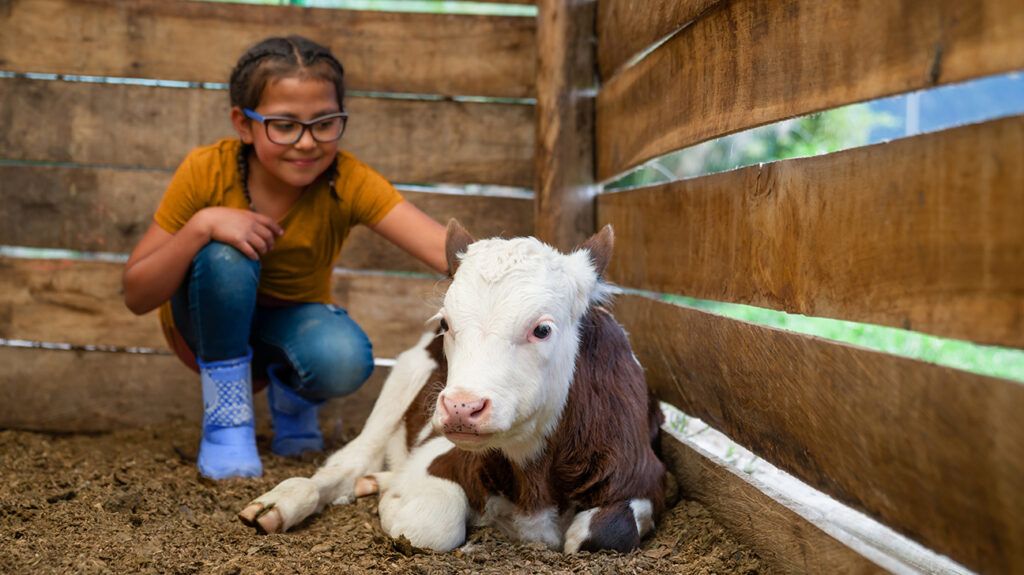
(228, 447)
(296, 427)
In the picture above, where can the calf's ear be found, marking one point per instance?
(600, 247)
(456, 243)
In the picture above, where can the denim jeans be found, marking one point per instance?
(217, 314)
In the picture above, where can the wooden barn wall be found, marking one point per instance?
(108, 210)
(126, 126)
(626, 28)
(83, 165)
(922, 234)
(750, 62)
(933, 452)
(200, 42)
(79, 303)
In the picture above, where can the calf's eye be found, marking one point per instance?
(542, 331)
(444, 325)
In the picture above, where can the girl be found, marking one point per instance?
(240, 252)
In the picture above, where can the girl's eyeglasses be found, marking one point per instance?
(287, 131)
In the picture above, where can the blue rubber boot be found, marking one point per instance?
(296, 427)
(228, 447)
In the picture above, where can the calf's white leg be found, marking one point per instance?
(430, 512)
(295, 499)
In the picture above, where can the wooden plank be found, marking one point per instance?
(87, 392)
(73, 302)
(103, 209)
(780, 536)
(154, 127)
(757, 61)
(626, 27)
(201, 41)
(84, 209)
(932, 452)
(74, 391)
(924, 233)
(564, 209)
(393, 310)
(80, 303)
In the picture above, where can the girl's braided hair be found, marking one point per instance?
(275, 58)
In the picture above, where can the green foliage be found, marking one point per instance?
(984, 360)
(821, 133)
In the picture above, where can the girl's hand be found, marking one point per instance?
(251, 233)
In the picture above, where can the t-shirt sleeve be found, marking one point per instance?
(180, 201)
(374, 198)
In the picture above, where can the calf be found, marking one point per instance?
(525, 410)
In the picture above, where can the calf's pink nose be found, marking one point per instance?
(465, 410)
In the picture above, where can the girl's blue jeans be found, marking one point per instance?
(217, 314)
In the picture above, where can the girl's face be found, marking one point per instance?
(296, 165)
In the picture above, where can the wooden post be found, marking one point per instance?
(564, 209)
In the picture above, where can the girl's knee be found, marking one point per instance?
(336, 370)
(224, 259)
(222, 268)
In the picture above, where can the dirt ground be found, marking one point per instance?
(132, 502)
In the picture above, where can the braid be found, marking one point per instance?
(332, 175)
(243, 170)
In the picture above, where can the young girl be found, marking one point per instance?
(240, 252)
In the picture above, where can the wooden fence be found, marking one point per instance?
(926, 233)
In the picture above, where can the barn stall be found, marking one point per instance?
(525, 117)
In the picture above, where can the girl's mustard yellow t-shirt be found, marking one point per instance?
(298, 268)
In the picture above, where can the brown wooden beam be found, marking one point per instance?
(932, 452)
(566, 90)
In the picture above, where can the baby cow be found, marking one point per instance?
(526, 410)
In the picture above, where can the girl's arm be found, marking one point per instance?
(415, 232)
(159, 262)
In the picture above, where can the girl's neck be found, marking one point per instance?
(271, 196)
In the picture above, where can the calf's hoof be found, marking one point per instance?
(283, 507)
(366, 485)
(264, 519)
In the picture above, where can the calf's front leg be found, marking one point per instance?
(295, 499)
(432, 513)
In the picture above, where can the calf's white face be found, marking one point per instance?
(511, 318)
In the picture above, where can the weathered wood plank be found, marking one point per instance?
(564, 209)
(932, 452)
(200, 41)
(154, 127)
(626, 27)
(103, 209)
(84, 209)
(75, 391)
(925, 233)
(83, 392)
(393, 310)
(80, 303)
(74, 302)
(780, 536)
(757, 61)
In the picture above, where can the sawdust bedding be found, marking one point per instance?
(132, 502)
